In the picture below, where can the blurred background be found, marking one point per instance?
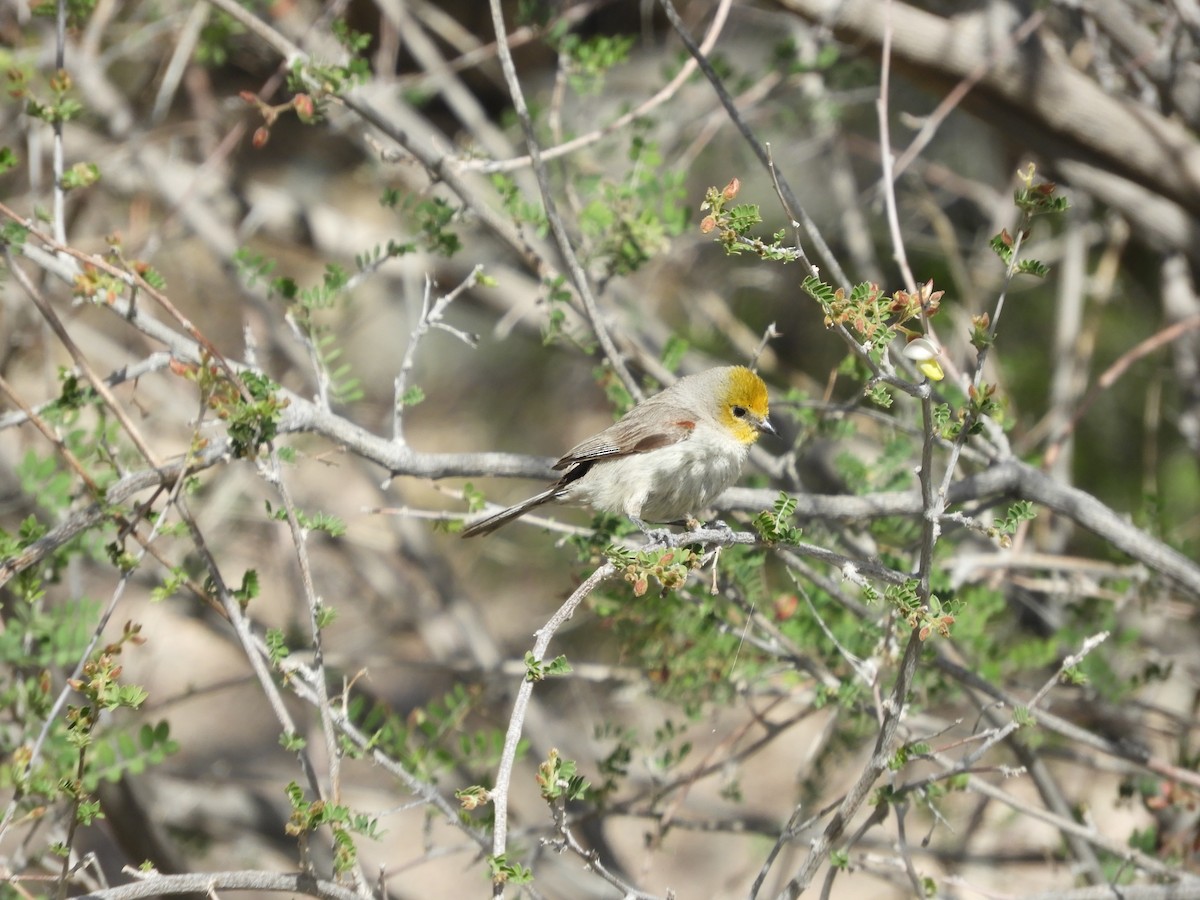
(310, 240)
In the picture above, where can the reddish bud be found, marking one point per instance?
(785, 607)
(304, 106)
(707, 224)
(249, 97)
(261, 135)
(731, 189)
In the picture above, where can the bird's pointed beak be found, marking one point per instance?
(764, 424)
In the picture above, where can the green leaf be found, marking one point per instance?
(1001, 244)
(277, 650)
(14, 234)
(536, 670)
(881, 395)
(505, 872)
(80, 175)
(249, 588)
(673, 352)
(1032, 267)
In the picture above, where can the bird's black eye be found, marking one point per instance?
(739, 412)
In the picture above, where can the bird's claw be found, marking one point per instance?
(653, 535)
(718, 525)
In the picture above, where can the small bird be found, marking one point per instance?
(666, 459)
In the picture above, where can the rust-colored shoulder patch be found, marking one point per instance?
(663, 438)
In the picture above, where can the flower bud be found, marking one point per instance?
(304, 107)
(925, 355)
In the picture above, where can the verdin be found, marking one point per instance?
(667, 458)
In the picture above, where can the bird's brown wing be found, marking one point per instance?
(660, 428)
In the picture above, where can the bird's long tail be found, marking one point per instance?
(492, 522)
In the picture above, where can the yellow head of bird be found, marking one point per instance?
(743, 408)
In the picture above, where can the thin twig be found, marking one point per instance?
(211, 882)
(430, 318)
(1113, 373)
(127, 527)
(579, 278)
(99, 385)
(933, 121)
(795, 210)
(664, 94)
(885, 155)
(508, 756)
(60, 65)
